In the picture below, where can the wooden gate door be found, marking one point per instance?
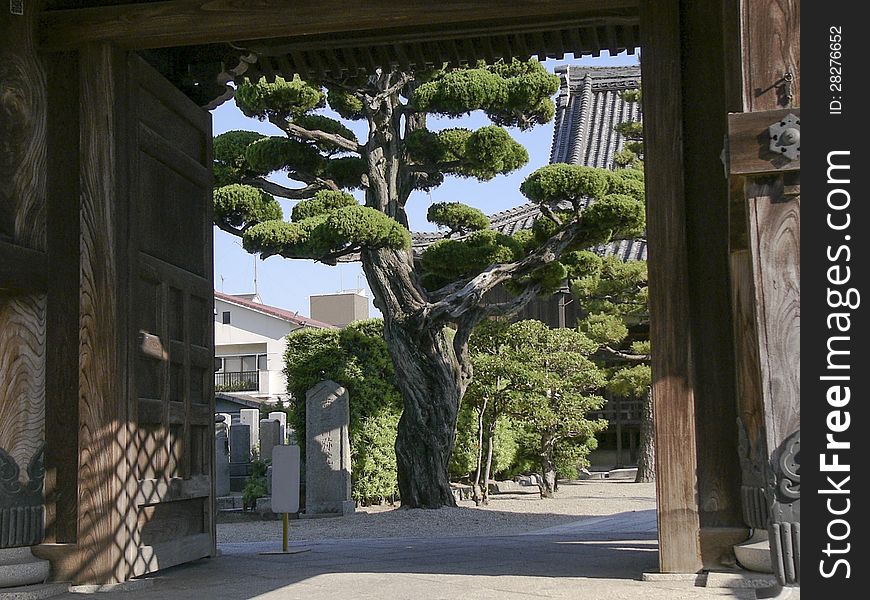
(171, 323)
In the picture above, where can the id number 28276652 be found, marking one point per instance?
(835, 69)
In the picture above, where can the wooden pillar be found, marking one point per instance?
(670, 325)
(103, 535)
(765, 269)
(23, 280)
(707, 98)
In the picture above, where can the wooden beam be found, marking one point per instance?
(670, 330)
(188, 22)
(749, 148)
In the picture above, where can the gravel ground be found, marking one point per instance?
(505, 515)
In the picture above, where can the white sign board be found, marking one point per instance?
(285, 479)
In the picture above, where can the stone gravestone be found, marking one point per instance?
(240, 444)
(228, 419)
(251, 418)
(327, 450)
(281, 417)
(221, 458)
(270, 436)
(240, 456)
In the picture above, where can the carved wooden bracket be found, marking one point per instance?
(784, 496)
(22, 520)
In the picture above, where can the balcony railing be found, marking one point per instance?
(237, 381)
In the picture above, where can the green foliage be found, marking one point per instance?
(632, 130)
(604, 328)
(345, 104)
(632, 96)
(457, 217)
(511, 94)
(482, 154)
(624, 183)
(356, 357)
(238, 205)
(346, 171)
(463, 461)
(449, 260)
(641, 347)
(556, 182)
(615, 216)
(281, 98)
(631, 382)
(230, 165)
(541, 382)
(327, 232)
(255, 484)
(323, 202)
(282, 153)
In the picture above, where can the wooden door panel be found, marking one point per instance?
(173, 399)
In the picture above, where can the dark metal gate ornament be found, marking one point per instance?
(784, 497)
(785, 137)
(22, 512)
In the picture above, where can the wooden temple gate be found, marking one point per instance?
(105, 249)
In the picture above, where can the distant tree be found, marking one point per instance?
(444, 291)
(543, 380)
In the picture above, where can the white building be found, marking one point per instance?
(250, 340)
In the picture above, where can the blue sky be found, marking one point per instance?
(289, 283)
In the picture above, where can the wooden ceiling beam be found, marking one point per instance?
(174, 23)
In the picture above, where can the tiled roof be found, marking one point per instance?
(588, 107)
(273, 311)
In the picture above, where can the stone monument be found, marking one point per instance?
(240, 456)
(281, 417)
(327, 450)
(221, 457)
(270, 436)
(251, 418)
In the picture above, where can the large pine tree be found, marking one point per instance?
(431, 304)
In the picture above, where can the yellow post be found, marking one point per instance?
(286, 525)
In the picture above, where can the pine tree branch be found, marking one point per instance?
(455, 302)
(316, 135)
(511, 307)
(231, 230)
(331, 259)
(284, 192)
(609, 352)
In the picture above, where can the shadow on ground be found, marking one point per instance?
(598, 558)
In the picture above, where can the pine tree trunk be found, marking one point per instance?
(646, 454)
(430, 374)
(425, 436)
(490, 438)
(479, 496)
(548, 466)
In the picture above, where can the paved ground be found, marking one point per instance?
(598, 558)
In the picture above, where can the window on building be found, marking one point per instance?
(261, 363)
(226, 317)
(249, 363)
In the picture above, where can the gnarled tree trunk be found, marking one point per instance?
(431, 373)
(548, 465)
(646, 453)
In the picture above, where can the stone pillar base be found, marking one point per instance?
(19, 567)
(754, 553)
